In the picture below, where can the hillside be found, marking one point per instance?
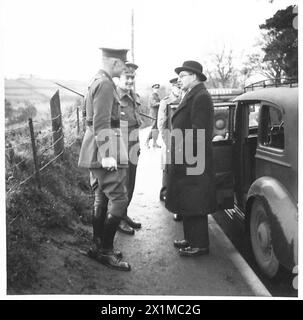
(40, 89)
(20, 92)
(39, 223)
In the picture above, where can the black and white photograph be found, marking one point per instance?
(150, 150)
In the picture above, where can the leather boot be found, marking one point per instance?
(98, 220)
(107, 255)
(99, 216)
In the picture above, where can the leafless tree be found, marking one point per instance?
(222, 72)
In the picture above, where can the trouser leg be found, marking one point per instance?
(149, 137)
(196, 231)
(111, 192)
(155, 134)
(127, 225)
(131, 180)
(134, 153)
(164, 183)
(113, 185)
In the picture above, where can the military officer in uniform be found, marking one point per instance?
(130, 123)
(103, 152)
(154, 102)
(167, 107)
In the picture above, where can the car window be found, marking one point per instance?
(254, 110)
(222, 123)
(272, 132)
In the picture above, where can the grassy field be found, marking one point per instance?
(40, 91)
(22, 91)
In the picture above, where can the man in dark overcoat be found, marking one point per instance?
(192, 192)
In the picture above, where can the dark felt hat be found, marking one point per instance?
(194, 67)
(156, 86)
(114, 53)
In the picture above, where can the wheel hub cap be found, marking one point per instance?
(264, 237)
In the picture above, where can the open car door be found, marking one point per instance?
(223, 154)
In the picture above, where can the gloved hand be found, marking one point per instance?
(109, 163)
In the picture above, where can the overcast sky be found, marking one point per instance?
(60, 38)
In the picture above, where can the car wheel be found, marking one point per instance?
(261, 240)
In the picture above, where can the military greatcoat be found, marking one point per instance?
(103, 136)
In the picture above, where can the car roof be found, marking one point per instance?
(284, 97)
(224, 104)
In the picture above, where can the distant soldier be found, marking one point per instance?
(104, 153)
(153, 103)
(130, 123)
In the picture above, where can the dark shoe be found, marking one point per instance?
(93, 253)
(162, 196)
(125, 228)
(132, 223)
(177, 217)
(110, 260)
(193, 252)
(180, 244)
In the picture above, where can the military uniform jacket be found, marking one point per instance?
(129, 102)
(103, 135)
(130, 122)
(165, 113)
(153, 103)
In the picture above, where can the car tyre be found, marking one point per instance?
(261, 240)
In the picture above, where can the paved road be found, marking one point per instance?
(234, 229)
(157, 269)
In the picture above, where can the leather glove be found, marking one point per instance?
(109, 163)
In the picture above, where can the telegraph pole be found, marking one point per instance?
(132, 36)
(133, 39)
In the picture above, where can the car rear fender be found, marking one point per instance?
(283, 212)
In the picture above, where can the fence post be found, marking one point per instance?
(78, 123)
(84, 118)
(35, 157)
(57, 124)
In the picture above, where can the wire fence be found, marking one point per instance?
(37, 148)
